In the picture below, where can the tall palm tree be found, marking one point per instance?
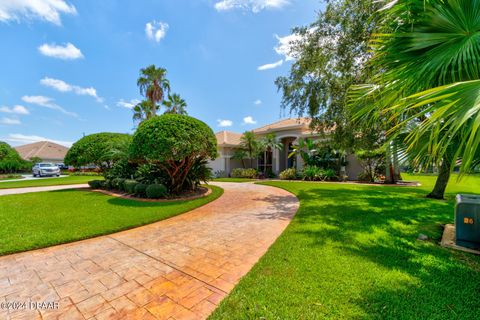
(250, 144)
(175, 104)
(144, 110)
(153, 84)
(269, 143)
(428, 57)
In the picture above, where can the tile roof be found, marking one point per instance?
(228, 138)
(284, 124)
(44, 150)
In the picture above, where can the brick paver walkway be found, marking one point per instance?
(179, 268)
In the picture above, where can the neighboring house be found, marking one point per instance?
(45, 150)
(287, 131)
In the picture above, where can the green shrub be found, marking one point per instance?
(249, 173)
(130, 186)
(96, 184)
(84, 174)
(98, 149)
(288, 174)
(141, 189)
(312, 173)
(10, 160)
(118, 184)
(176, 141)
(329, 175)
(156, 191)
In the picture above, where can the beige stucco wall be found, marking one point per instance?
(353, 168)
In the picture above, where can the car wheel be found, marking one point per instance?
(58, 175)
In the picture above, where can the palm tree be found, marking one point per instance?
(144, 110)
(429, 72)
(153, 83)
(269, 143)
(175, 104)
(250, 144)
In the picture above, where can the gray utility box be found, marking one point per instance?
(467, 221)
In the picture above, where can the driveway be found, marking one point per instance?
(179, 268)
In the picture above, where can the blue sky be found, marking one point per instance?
(70, 67)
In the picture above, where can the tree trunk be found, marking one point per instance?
(442, 181)
(389, 170)
(396, 165)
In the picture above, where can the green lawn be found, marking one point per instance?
(42, 182)
(42, 219)
(351, 253)
(234, 180)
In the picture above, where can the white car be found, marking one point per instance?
(45, 169)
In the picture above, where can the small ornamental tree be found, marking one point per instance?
(100, 149)
(175, 143)
(10, 160)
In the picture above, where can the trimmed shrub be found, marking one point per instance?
(95, 184)
(156, 191)
(288, 174)
(101, 149)
(118, 184)
(244, 173)
(176, 141)
(141, 189)
(130, 186)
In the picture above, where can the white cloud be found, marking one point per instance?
(128, 104)
(249, 120)
(224, 123)
(9, 121)
(15, 110)
(47, 103)
(47, 10)
(286, 44)
(156, 30)
(251, 5)
(65, 52)
(62, 86)
(18, 138)
(270, 65)
(257, 102)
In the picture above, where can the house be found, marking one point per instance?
(45, 150)
(287, 131)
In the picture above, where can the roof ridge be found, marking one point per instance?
(42, 147)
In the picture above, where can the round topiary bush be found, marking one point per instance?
(141, 190)
(95, 184)
(174, 142)
(118, 184)
(130, 186)
(156, 191)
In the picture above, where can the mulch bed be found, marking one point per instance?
(189, 195)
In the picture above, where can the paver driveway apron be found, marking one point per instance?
(179, 268)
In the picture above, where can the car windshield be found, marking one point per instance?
(42, 165)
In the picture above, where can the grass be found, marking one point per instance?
(233, 180)
(42, 182)
(37, 220)
(351, 253)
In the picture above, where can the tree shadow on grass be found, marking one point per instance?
(381, 226)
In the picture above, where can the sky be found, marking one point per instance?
(69, 68)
